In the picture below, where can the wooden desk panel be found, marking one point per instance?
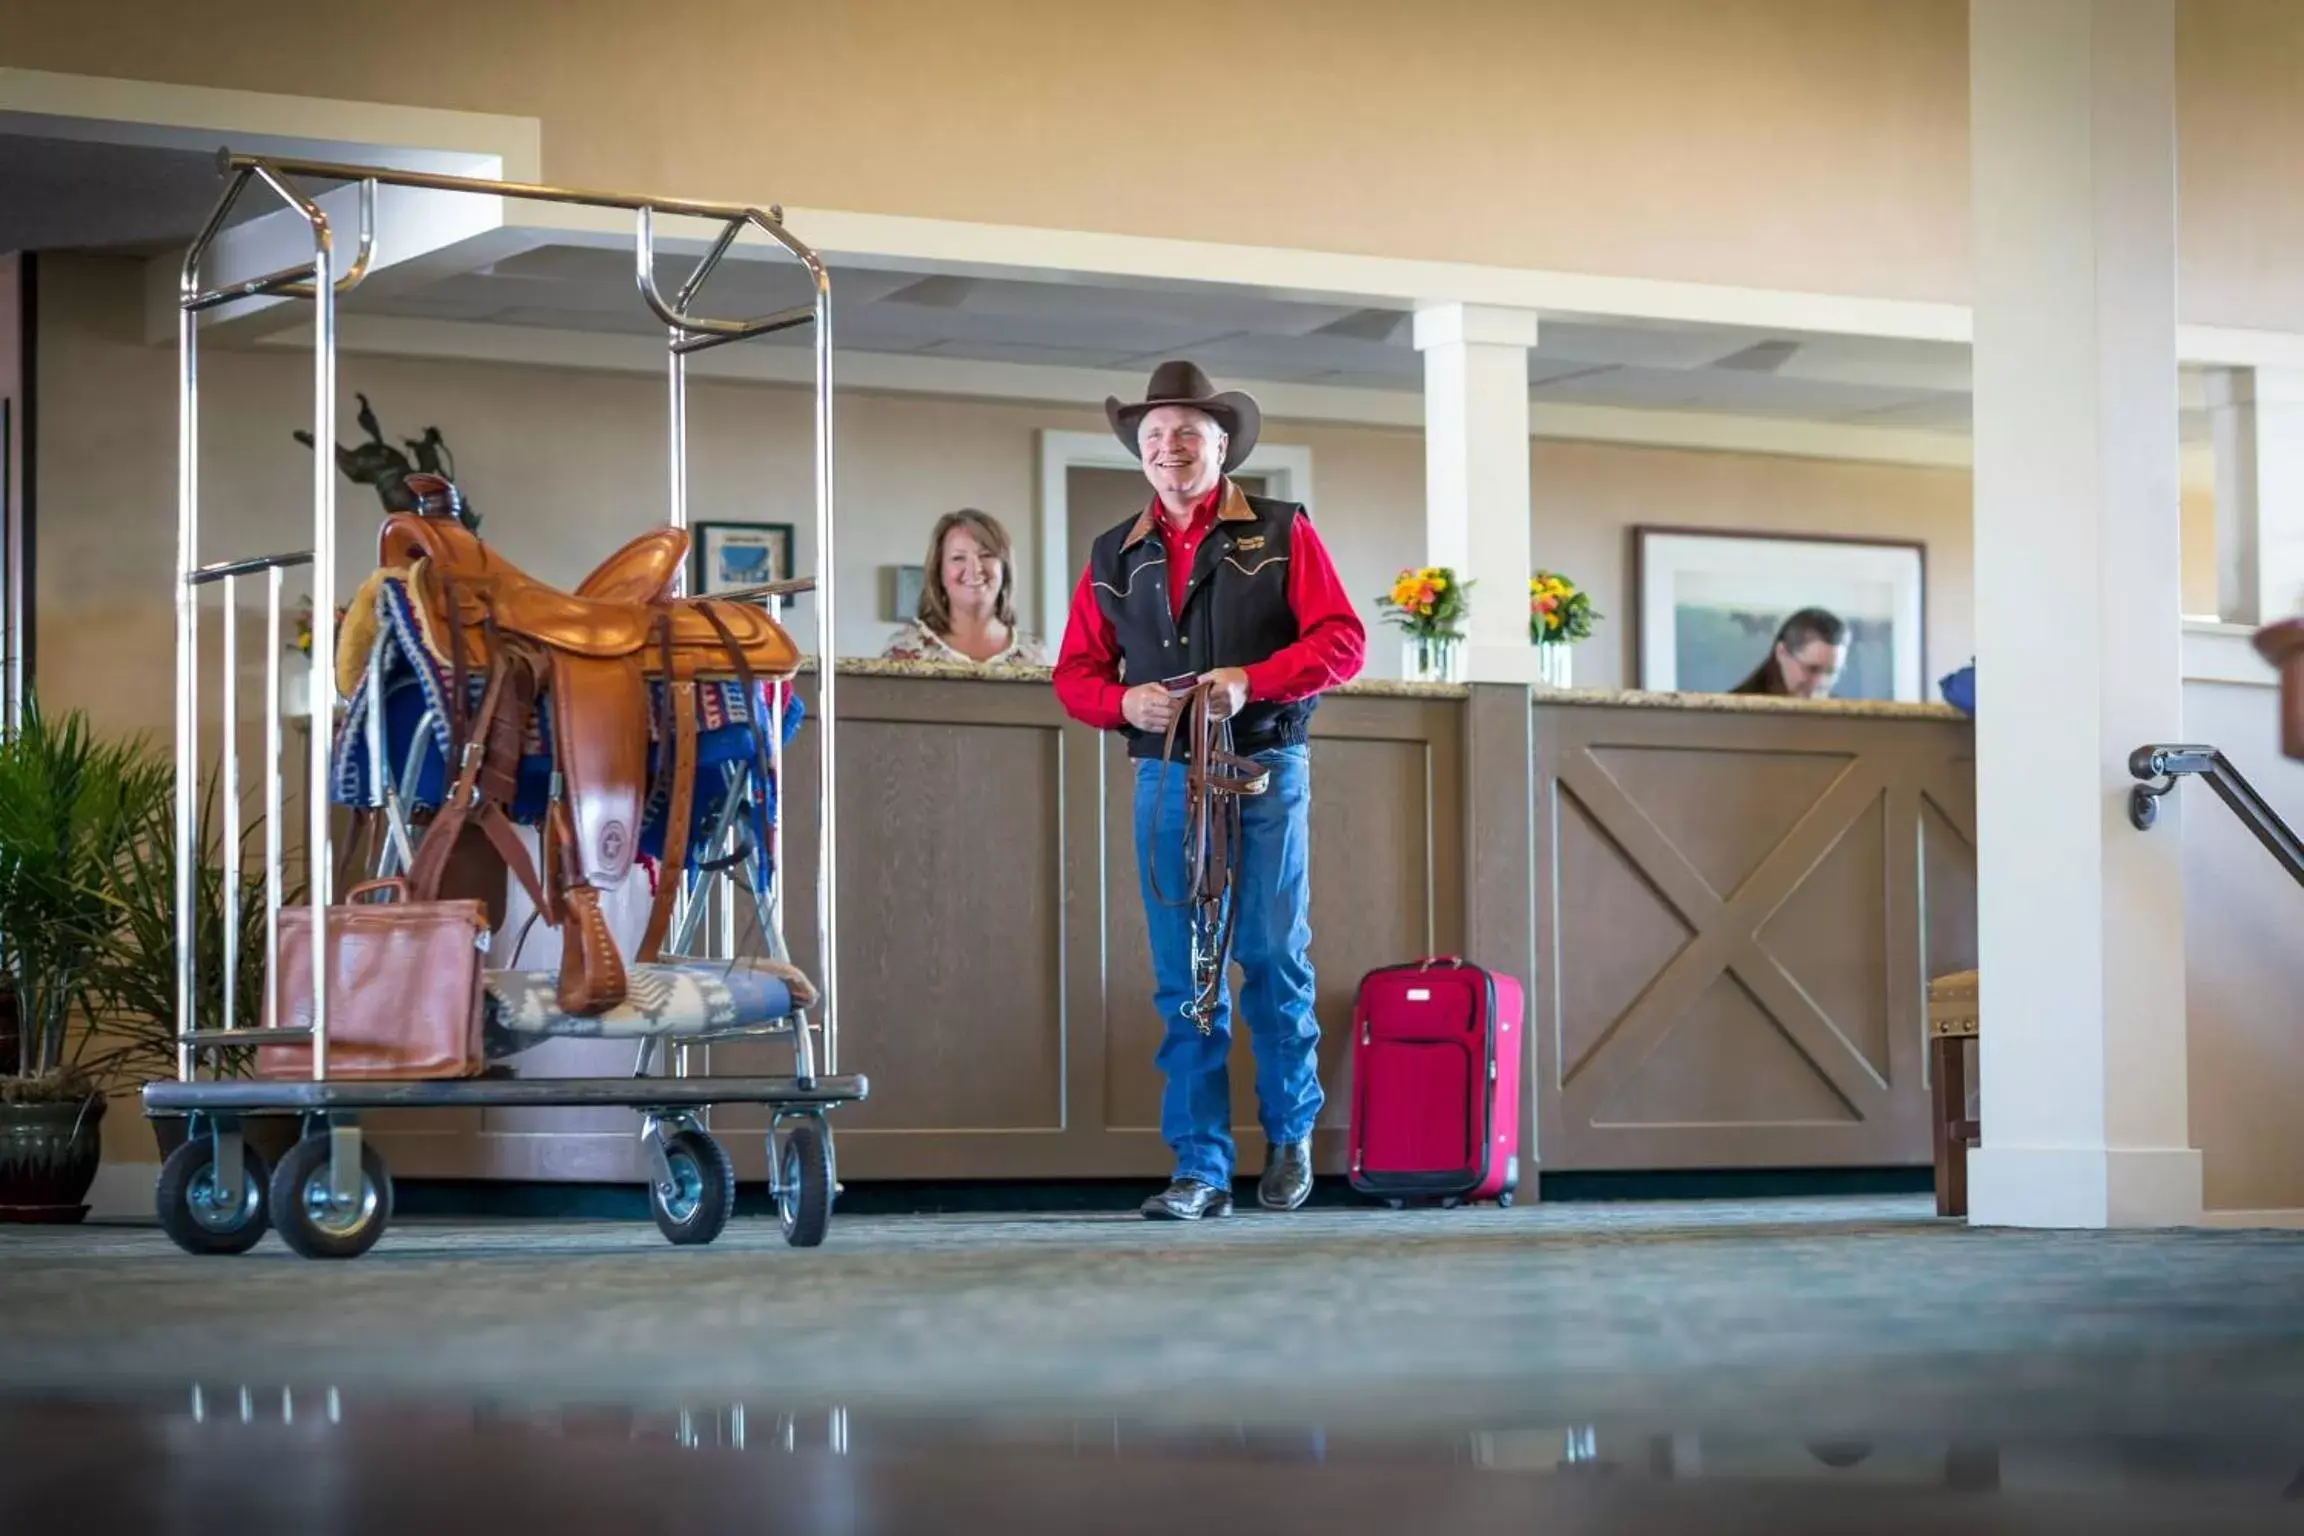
(1738, 913)
(1726, 920)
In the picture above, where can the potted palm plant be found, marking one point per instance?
(132, 982)
(71, 805)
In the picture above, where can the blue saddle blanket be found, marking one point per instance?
(414, 684)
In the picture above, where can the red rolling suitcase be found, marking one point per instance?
(1436, 1050)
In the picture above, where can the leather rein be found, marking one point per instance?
(1215, 781)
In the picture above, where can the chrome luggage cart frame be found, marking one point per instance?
(331, 1195)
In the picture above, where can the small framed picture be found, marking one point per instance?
(904, 600)
(732, 555)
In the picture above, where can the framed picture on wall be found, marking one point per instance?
(731, 555)
(904, 585)
(1708, 603)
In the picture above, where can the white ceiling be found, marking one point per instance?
(1235, 336)
(55, 193)
(89, 196)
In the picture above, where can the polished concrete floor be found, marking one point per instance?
(1654, 1366)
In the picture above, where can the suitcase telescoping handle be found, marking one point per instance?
(1454, 962)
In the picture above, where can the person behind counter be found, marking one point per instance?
(967, 606)
(1805, 659)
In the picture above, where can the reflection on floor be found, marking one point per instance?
(1649, 1366)
(233, 1458)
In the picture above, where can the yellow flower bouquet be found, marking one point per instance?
(302, 643)
(1559, 611)
(1427, 602)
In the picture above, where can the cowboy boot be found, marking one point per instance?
(1287, 1180)
(1188, 1200)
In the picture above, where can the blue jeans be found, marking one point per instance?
(1271, 943)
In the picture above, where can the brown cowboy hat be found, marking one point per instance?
(1182, 383)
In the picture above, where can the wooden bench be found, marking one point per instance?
(1952, 1018)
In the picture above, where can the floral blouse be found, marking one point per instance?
(917, 642)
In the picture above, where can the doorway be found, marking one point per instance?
(1089, 482)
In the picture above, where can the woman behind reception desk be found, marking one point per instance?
(967, 606)
(1804, 660)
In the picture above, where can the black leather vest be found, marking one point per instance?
(1236, 612)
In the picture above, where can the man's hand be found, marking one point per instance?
(1227, 692)
(1148, 706)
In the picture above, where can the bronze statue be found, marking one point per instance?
(377, 463)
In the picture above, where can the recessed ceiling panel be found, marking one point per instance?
(1723, 390)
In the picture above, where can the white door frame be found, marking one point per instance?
(1287, 468)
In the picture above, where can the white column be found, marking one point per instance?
(2080, 917)
(2258, 415)
(1476, 512)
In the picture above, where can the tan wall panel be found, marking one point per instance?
(2243, 969)
(1817, 145)
(2240, 129)
(1642, 138)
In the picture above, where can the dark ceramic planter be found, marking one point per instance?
(48, 1157)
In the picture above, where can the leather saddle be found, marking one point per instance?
(591, 654)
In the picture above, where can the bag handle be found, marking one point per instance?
(396, 888)
(1453, 962)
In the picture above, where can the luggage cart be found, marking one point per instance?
(331, 1195)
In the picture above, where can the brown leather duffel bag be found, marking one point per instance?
(404, 987)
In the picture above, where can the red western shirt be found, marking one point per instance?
(1330, 641)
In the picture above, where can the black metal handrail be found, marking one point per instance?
(2162, 766)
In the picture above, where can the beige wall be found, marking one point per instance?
(563, 465)
(1589, 497)
(2243, 969)
(1806, 144)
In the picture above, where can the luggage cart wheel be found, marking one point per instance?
(804, 1183)
(702, 1194)
(311, 1221)
(199, 1218)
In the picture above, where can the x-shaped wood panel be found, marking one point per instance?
(1726, 936)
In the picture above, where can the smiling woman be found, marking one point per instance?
(967, 606)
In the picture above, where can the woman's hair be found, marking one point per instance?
(1806, 625)
(935, 611)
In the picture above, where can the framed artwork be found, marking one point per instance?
(1708, 603)
(904, 584)
(731, 555)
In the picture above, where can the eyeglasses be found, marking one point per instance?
(1826, 670)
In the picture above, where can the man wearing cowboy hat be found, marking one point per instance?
(1237, 591)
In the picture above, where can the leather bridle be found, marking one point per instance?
(1215, 781)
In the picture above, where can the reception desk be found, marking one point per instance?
(1726, 910)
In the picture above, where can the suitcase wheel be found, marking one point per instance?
(1504, 1201)
(1450, 1203)
(1398, 1205)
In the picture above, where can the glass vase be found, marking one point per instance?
(1434, 658)
(1552, 663)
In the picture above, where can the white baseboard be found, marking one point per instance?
(123, 1191)
(2084, 1187)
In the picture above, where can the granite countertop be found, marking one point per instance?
(1397, 688)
